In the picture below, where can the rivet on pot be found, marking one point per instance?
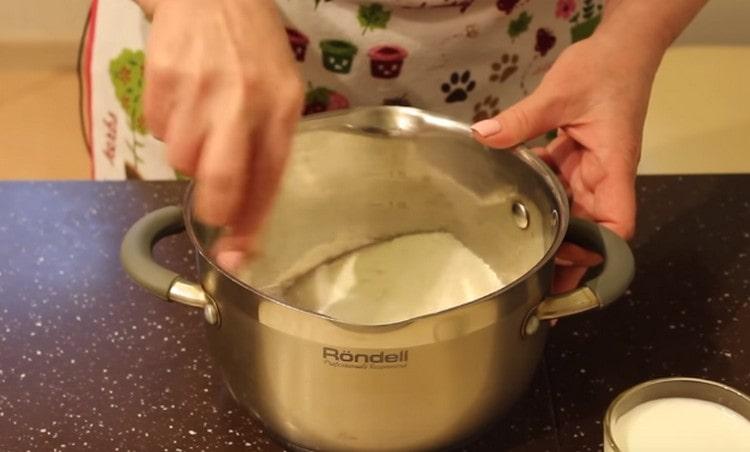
(531, 326)
(211, 314)
(520, 215)
(555, 218)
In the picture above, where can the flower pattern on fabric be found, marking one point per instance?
(585, 21)
(126, 74)
(545, 40)
(519, 25)
(565, 8)
(321, 99)
(507, 6)
(453, 57)
(373, 16)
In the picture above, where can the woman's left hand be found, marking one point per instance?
(595, 96)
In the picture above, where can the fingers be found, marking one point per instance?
(570, 254)
(615, 204)
(223, 168)
(600, 183)
(158, 99)
(268, 164)
(567, 278)
(185, 135)
(272, 146)
(531, 117)
(222, 89)
(571, 264)
(161, 78)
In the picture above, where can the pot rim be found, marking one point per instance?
(326, 121)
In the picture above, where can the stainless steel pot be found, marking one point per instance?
(355, 178)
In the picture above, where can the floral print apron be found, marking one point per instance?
(467, 59)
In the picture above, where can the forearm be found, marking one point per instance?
(646, 28)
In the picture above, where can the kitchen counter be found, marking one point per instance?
(89, 361)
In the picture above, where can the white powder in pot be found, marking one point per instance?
(396, 280)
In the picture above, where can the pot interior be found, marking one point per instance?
(408, 206)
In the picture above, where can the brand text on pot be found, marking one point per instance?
(377, 360)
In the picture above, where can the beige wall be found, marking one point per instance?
(723, 22)
(39, 21)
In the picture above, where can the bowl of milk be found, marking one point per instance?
(678, 415)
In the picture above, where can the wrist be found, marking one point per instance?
(639, 49)
(644, 29)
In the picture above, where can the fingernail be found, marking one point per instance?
(230, 260)
(487, 127)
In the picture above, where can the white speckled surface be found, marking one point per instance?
(687, 312)
(89, 361)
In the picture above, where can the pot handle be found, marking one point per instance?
(138, 261)
(611, 280)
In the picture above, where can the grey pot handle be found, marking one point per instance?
(138, 261)
(610, 280)
(616, 273)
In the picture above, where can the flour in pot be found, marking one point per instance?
(396, 280)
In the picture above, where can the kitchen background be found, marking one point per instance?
(697, 123)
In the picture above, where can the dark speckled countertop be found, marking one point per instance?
(89, 361)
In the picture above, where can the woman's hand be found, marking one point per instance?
(224, 93)
(595, 95)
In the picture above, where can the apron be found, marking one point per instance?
(467, 59)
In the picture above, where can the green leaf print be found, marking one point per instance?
(519, 24)
(588, 9)
(584, 22)
(126, 73)
(318, 95)
(373, 16)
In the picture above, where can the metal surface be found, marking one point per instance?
(521, 215)
(192, 294)
(559, 306)
(187, 293)
(364, 176)
(355, 179)
(91, 298)
(570, 303)
(352, 180)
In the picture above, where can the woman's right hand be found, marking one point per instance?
(224, 93)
